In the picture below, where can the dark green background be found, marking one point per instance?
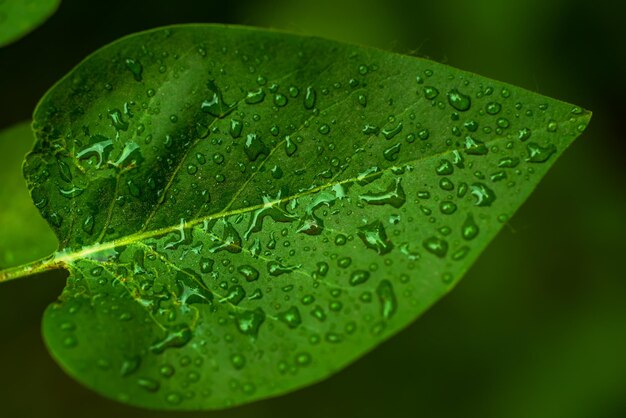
(536, 329)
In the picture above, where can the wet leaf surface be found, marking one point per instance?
(245, 212)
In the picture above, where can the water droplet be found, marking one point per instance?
(458, 100)
(430, 92)
(445, 168)
(309, 98)
(394, 196)
(389, 133)
(483, 194)
(387, 299)
(552, 126)
(248, 272)
(99, 149)
(174, 398)
(148, 384)
(523, 134)
(474, 146)
(493, 108)
(291, 317)
(447, 208)
(498, 176)
(206, 265)
(469, 230)
(318, 313)
(254, 147)
(255, 96)
(280, 100)
(192, 169)
(303, 359)
(423, 134)
(231, 240)
(344, 262)
(72, 192)
(436, 246)
(539, 154)
(238, 361)
(88, 224)
(290, 146)
(177, 336)
(324, 129)
(248, 322)
(446, 184)
(359, 277)
(374, 237)
(508, 162)
(215, 105)
(391, 153)
(236, 126)
(135, 68)
(369, 175)
(55, 219)
(235, 295)
(275, 268)
(130, 365)
(118, 120)
(70, 341)
(460, 253)
(166, 370)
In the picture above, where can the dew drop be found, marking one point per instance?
(309, 98)
(359, 277)
(436, 246)
(291, 317)
(458, 100)
(387, 299)
(374, 237)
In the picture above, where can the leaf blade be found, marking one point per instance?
(342, 226)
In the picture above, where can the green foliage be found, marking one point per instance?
(25, 235)
(245, 212)
(19, 17)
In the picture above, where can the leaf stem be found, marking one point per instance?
(28, 269)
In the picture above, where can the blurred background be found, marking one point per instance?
(538, 326)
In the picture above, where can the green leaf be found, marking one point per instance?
(245, 212)
(25, 235)
(19, 17)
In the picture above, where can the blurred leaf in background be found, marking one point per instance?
(535, 329)
(19, 17)
(25, 235)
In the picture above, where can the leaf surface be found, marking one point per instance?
(244, 212)
(25, 235)
(19, 17)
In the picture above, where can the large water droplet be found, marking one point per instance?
(458, 100)
(291, 317)
(248, 322)
(539, 154)
(374, 237)
(436, 246)
(135, 68)
(394, 196)
(469, 230)
(177, 337)
(483, 194)
(387, 299)
(254, 147)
